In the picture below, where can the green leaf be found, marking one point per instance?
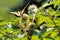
(34, 37)
(17, 39)
(15, 32)
(46, 33)
(39, 18)
(48, 22)
(8, 30)
(54, 33)
(56, 2)
(47, 3)
(51, 11)
(25, 38)
(57, 21)
(57, 38)
(47, 39)
(1, 35)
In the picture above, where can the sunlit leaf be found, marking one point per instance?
(57, 38)
(1, 35)
(57, 21)
(54, 33)
(47, 39)
(46, 33)
(49, 22)
(25, 38)
(39, 18)
(51, 11)
(9, 30)
(17, 39)
(56, 3)
(15, 32)
(34, 37)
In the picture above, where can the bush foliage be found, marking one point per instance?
(49, 17)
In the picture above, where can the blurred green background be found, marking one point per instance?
(5, 6)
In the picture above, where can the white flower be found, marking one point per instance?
(9, 25)
(32, 10)
(35, 10)
(20, 35)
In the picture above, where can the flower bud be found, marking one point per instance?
(25, 17)
(31, 25)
